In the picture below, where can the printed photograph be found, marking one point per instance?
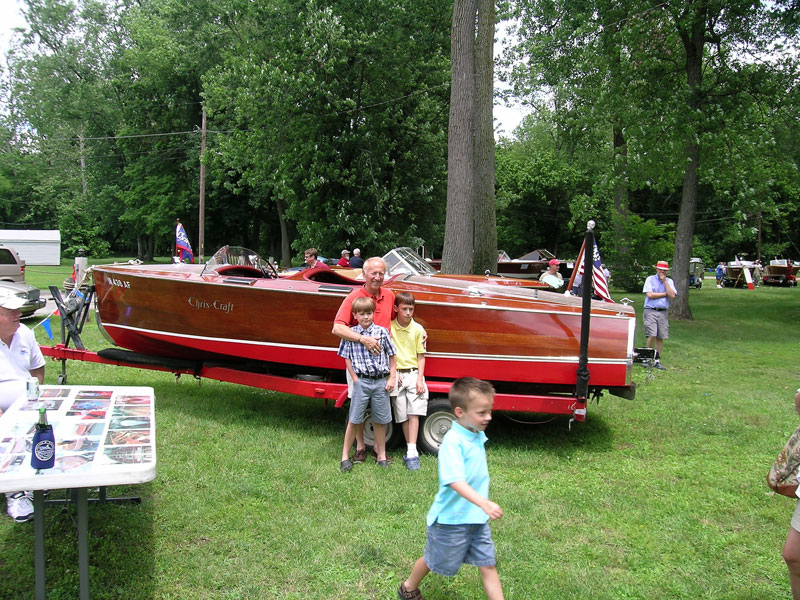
(128, 438)
(98, 394)
(74, 462)
(79, 444)
(54, 393)
(89, 429)
(130, 423)
(137, 400)
(131, 411)
(48, 403)
(130, 454)
(12, 463)
(89, 405)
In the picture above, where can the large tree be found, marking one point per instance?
(470, 230)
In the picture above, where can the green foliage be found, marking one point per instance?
(632, 256)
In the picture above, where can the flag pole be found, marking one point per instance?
(582, 387)
(577, 262)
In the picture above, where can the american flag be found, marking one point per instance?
(598, 277)
(182, 245)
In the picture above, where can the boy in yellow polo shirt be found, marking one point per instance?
(410, 396)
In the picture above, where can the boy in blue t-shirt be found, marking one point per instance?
(458, 530)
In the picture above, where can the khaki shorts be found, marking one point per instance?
(405, 399)
(796, 518)
(656, 323)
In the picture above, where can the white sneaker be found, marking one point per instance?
(19, 507)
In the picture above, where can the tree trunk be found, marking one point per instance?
(485, 216)
(694, 43)
(286, 256)
(458, 237)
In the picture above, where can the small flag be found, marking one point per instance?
(598, 277)
(47, 328)
(182, 246)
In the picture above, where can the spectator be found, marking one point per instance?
(356, 261)
(21, 360)
(312, 261)
(551, 276)
(345, 260)
(659, 290)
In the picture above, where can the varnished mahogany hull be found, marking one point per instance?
(482, 331)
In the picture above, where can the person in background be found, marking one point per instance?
(356, 262)
(606, 272)
(21, 360)
(659, 291)
(458, 530)
(345, 260)
(791, 549)
(551, 276)
(720, 273)
(311, 258)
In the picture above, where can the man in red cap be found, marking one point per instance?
(659, 290)
(551, 276)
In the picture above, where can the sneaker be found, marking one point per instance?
(359, 456)
(404, 594)
(659, 366)
(412, 464)
(346, 466)
(19, 507)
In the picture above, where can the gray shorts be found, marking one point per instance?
(372, 393)
(656, 323)
(796, 518)
(450, 546)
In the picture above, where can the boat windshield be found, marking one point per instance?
(406, 261)
(236, 260)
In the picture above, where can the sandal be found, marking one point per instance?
(346, 466)
(360, 455)
(404, 594)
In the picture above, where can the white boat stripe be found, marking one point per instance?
(460, 356)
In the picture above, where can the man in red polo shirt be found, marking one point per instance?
(374, 273)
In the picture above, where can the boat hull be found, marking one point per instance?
(505, 335)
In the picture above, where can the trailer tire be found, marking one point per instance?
(433, 427)
(394, 433)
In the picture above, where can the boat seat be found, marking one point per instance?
(323, 275)
(241, 271)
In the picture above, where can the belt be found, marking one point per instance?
(373, 378)
(406, 370)
(651, 308)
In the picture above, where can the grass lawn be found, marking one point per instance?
(658, 497)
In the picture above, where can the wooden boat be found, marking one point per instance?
(236, 310)
(779, 272)
(529, 266)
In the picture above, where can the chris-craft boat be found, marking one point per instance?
(235, 309)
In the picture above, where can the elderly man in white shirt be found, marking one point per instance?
(21, 359)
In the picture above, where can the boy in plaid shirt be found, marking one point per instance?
(373, 376)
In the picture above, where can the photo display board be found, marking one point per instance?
(104, 436)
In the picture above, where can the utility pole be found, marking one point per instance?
(201, 237)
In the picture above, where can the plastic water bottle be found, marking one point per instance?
(44, 443)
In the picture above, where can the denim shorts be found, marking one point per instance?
(450, 546)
